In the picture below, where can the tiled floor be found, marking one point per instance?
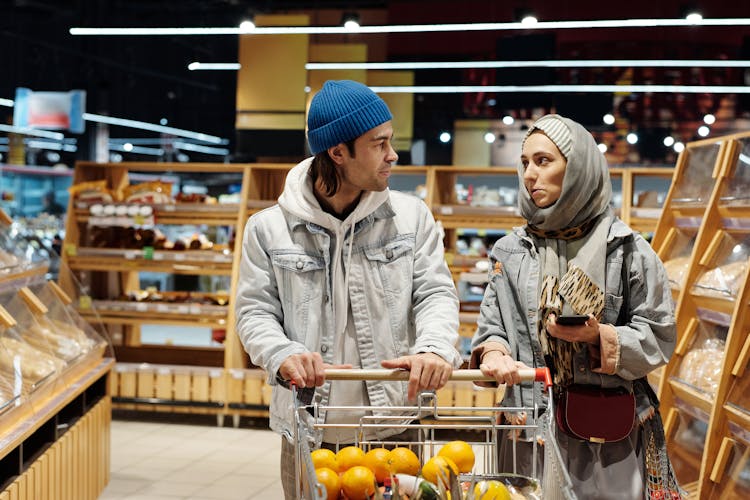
(156, 460)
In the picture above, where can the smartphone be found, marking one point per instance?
(572, 320)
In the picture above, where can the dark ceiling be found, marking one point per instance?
(146, 78)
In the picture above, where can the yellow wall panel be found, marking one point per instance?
(272, 76)
(469, 146)
(401, 105)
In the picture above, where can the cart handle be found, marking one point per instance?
(527, 375)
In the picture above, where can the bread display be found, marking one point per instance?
(33, 364)
(701, 367)
(723, 281)
(676, 269)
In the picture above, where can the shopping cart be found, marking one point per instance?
(433, 424)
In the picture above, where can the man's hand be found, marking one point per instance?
(306, 369)
(501, 367)
(428, 371)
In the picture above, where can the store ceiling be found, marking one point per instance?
(146, 78)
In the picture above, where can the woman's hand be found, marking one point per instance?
(587, 333)
(501, 367)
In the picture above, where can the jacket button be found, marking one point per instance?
(324, 348)
(389, 254)
(300, 264)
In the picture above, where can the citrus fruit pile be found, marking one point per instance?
(354, 474)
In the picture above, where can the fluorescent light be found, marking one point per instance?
(694, 17)
(445, 137)
(122, 122)
(412, 28)
(679, 147)
(529, 21)
(246, 26)
(632, 138)
(149, 140)
(602, 147)
(459, 89)
(195, 66)
(508, 120)
(608, 119)
(668, 141)
(129, 148)
(598, 63)
(6, 102)
(703, 131)
(32, 131)
(200, 149)
(709, 119)
(489, 137)
(55, 146)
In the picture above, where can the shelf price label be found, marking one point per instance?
(84, 302)
(71, 249)
(148, 253)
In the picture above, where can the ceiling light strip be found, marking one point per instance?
(458, 89)
(136, 149)
(122, 122)
(6, 102)
(603, 63)
(186, 146)
(32, 131)
(198, 66)
(411, 28)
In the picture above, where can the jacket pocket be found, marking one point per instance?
(394, 261)
(300, 278)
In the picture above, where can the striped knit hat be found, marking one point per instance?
(555, 128)
(341, 111)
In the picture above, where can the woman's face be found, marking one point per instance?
(543, 169)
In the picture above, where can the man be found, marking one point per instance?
(343, 272)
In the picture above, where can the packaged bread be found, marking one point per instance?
(676, 270)
(7, 260)
(6, 391)
(148, 192)
(41, 336)
(723, 281)
(33, 364)
(92, 192)
(701, 367)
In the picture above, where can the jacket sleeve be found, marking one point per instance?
(490, 327)
(258, 309)
(648, 339)
(434, 296)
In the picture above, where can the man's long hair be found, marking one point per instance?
(324, 168)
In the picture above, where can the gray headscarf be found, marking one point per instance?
(570, 235)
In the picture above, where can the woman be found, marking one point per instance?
(574, 256)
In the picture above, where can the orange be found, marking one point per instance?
(437, 468)
(491, 490)
(461, 453)
(378, 460)
(358, 483)
(331, 480)
(324, 458)
(348, 457)
(404, 461)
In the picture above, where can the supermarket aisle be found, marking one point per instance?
(155, 461)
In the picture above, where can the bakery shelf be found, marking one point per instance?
(692, 396)
(224, 214)
(165, 261)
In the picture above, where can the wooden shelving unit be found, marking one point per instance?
(705, 223)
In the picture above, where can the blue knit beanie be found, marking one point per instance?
(341, 111)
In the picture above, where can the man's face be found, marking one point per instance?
(370, 167)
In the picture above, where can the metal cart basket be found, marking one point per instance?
(433, 424)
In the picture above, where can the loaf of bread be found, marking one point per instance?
(723, 281)
(676, 269)
(43, 335)
(33, 364)
(701, 367)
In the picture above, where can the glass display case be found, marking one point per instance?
(701, 365)
(735, 190)
(696, 182)
(677, 257)
(726, 272)
(685, 448)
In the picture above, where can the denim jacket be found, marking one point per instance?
(510, 307)
(403, 300)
